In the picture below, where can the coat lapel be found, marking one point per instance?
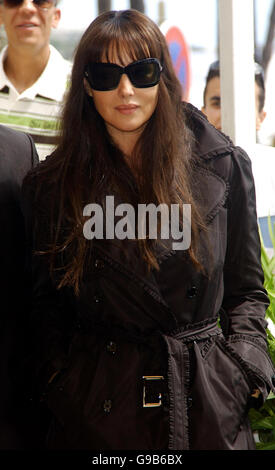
(210, 192)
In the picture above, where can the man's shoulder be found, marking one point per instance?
(17, 152)
(10, 137)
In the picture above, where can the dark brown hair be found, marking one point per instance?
(87, 166)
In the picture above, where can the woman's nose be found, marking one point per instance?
(125, 87)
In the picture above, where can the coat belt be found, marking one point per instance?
(178, 371)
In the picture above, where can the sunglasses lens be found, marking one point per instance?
(144, 74)
(103, 77)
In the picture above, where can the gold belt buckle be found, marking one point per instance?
(147, 378)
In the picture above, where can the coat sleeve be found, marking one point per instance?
(51, 315)
(245, 300)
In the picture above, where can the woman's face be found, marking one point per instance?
(127, 109)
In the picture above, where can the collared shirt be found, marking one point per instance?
(36, 110)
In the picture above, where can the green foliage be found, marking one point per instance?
(263, 420)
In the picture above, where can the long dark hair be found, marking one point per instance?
(86, 165)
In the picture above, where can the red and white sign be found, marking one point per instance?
(179, 51)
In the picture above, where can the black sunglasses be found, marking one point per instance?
(43, 4)
(106, 76)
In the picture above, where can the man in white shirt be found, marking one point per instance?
(33, 74)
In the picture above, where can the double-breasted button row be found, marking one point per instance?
(111, 348)
(99, 265)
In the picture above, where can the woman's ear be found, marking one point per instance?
(88, 88)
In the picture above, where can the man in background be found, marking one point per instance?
(212, 96)
(263, 161)
(33, 74)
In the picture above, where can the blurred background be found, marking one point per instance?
(197, 20)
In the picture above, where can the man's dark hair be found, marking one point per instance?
(214, 71)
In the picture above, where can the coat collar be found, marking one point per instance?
(208, 144)
(208, 141)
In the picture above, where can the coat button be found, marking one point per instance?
(96, 299)
(99, 264)
(192, 292)
(107, 405)
(111, 347)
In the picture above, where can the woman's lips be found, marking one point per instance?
(127, 108)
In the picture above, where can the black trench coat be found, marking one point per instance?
(143, 363)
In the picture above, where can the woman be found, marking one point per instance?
(128, 354)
